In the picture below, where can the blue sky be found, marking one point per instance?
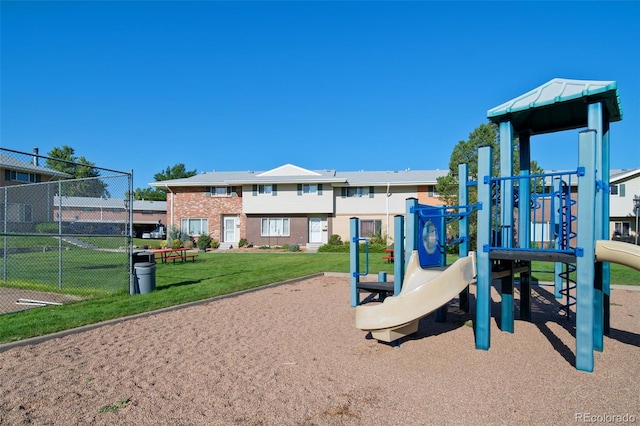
(323, 85)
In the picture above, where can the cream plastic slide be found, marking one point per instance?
(618, 252)
(423, 291)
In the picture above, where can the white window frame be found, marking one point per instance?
(309, 188)
(275, 227)
(367, 224)
(18, 213)
(621, 226)
(186, 226)
(265, 189)
(357, 191)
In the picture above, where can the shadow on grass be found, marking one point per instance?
(178, 284)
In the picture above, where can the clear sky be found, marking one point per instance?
(322, 85)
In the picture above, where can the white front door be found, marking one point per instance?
(315, 229)
(229, 229)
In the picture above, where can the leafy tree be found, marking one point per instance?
(158, 194)
(82, 170)
(467, 152)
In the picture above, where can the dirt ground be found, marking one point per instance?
(17, 299)
(291, 355)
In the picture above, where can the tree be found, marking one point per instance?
(467, 152)
(158, 194)
(83, 172)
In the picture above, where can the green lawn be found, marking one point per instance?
(213, 274)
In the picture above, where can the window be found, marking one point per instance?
(358, 191)
(431, 191)
(17, 213)
(310, 188)
(147, 211)
(275, 227)
(614, 189)
(621, 229)
(13, 175)
(195, 226)
(370, 228)
(221, 191)
(622, 189)
(265, 189)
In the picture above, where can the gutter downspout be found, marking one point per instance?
(170, 220)
(388, 195)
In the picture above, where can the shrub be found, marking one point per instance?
(204, 240)
(174, 233)
(175, 243)
(242, 242)
(214, 244)
(344, 248)
(335, 240)
(378, 239)
(294, 247)
(188, 244)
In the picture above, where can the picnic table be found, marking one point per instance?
(174, 254)
(388, 257)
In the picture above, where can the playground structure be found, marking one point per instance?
(508, 208)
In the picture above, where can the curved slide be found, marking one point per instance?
(618, 252)
(423, 291)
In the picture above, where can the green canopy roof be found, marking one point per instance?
(559, 104)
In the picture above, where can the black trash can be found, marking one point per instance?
(145, 277)
(143, 256)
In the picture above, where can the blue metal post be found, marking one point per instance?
(524, 221)
(354, 259)
(595, 120)
(441, 313)
(398, 254)
(483, 298)
(506, 219)
(586, 250)
(506, 190)
(411, 237)
(524, 212)
(463, 225)
(606, 266)
(558, 225)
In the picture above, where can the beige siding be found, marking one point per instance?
(287, 201)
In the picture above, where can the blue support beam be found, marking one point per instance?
(595, 121)
(586, 250)
(483, 297)
(411, 237)
(506, 190)
(606, 211)
(524, 212)
(558, 267)
(524, 221)
(398, 254)
(463, 225)
(506, 221)
(354, 259)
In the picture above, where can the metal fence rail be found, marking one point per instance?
(61, 239)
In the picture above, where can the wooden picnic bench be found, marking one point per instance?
(388, 257)
(175, 254)
(182, 257)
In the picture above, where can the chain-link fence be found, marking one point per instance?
(62, 239)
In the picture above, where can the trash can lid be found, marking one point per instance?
(144, 265)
